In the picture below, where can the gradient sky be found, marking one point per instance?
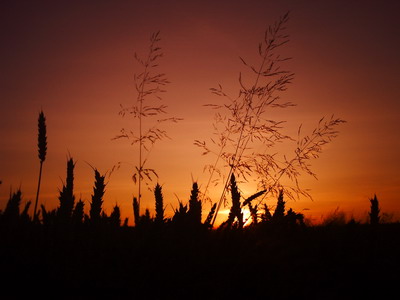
(74, 60)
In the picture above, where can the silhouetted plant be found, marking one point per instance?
(335, 218)
(115, 217)
(147, 85)
(136, 214)
(146, 219)
(244, 122)
(294, 219)
(374, 214)
(159, 204)
(235, 212)
(180, 215)
(11, 212)
(279, 212)
(253, 209)
(195, 205)
(266, 216)
(253, 213)
(78, 213)
(42, 149)
(48, 217)
(97, 197)
(66, 197)
(24, 216)
(210, 216)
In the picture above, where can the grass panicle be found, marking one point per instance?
(147, 111)
(245, 123)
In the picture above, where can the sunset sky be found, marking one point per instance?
(75, 60)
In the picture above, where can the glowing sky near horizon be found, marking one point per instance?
(75, 61)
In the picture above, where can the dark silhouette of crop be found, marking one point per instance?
(97, 197)
(195, 207)
(11, 212)
(236, 212)
(274, 254)
(159, 204)
(78, 214)
(42, 150)
(115, 217)
(210, 216)
(136, 213)
(67, 197)
(279, 212)
(374, 214)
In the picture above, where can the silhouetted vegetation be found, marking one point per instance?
(246, 130)
(374, 214)
(275, 253)
(42, 150)
(148, 84)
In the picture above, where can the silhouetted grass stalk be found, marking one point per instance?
(97, 197)
(159, 204)
(264, 94)
(66, 197)
(147, 84)
(42, 148)
(245, 124)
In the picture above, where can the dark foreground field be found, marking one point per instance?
(349, 261)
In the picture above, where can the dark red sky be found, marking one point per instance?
(75, 60)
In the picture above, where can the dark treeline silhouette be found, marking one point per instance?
(275, 255)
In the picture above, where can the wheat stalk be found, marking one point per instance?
(42, 149)
(97, 197)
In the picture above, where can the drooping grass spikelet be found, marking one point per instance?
(254, 196)
(210, 216)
